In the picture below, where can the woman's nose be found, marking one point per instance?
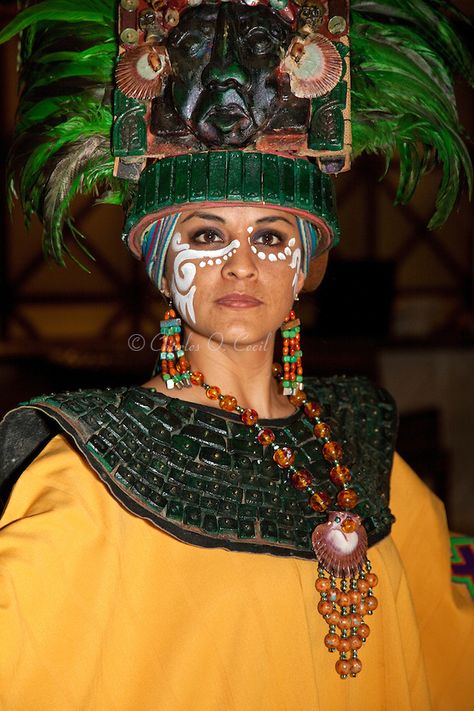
(243, 262)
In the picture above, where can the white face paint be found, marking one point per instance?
(295, 255)
(296, 265)
(184, 270)
(260, 255)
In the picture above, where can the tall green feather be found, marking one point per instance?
(405, 54)
(62, 141)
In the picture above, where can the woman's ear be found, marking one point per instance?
(300, 282)
(317, 269)
(165, 288)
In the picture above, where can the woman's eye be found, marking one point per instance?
(206, 237)
(268, 239)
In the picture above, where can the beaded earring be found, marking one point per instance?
(174, 368)
(291, 355)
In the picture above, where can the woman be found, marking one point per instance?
(125, 615)
(188, 580)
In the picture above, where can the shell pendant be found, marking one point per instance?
(340, 546)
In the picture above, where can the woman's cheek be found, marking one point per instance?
(286, 260)
(188, 264)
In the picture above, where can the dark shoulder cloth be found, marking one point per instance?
(200, 475)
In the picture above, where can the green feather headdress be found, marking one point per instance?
(405, 54)
(404, 57)
(61, 145)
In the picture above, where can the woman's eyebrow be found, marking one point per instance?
(204, 216)
(272, 219)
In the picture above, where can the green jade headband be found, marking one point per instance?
(224, 178)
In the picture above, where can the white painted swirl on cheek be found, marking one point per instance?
(184, 272)
(296, 265)
(181, 286)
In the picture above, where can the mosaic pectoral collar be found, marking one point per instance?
(200, 476)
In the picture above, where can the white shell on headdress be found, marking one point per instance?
(140, 71)
(317, 70)
(341, 554)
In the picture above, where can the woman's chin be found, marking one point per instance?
(245, 327)
(244, 339)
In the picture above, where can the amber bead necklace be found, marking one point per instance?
(345, 579)
(342, 607)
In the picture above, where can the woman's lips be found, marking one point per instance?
(238, 301)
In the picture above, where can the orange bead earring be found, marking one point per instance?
(175, 369)
(291, 355)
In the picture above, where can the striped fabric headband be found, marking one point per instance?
(155, 246)
(158, 237)
(309, 240)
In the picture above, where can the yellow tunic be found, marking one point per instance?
(100, 611)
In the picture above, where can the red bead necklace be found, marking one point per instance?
(345, 580)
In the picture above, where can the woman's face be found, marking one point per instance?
(233, 272)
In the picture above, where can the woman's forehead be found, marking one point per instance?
(239, 215)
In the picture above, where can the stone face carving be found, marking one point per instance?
(239, 75)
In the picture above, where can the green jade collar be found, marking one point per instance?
(198, 473)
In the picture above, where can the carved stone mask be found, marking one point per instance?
(200, 74)
(226, 84)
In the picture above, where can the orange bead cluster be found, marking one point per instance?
(174, 366)
(344, 610)
(292, 363)
(340, 474)
(229, 403)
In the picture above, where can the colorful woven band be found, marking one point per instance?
(155, 246)
(309, 240)
(222, 178)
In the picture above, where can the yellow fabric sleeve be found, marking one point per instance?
(444, 610)
(100, 611)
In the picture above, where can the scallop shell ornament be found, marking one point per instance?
(141, 71)
(314, 66)
(340, 544)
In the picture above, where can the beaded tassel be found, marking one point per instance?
(175, 369)
(343, 607)
(292, 364)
